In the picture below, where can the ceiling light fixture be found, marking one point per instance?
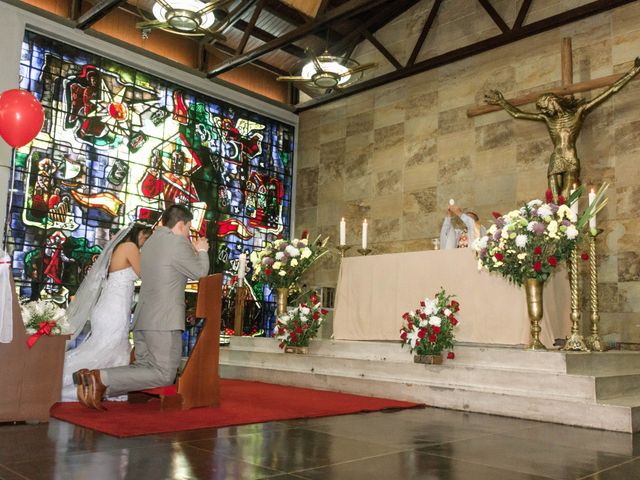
(187, 17)
(327, 72)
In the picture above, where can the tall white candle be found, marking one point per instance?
(364, 233)
(592, 220)
(574, 205)
(343, 232)
(242, 268)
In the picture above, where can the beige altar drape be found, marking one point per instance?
(374, 291)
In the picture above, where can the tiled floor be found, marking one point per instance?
(410, 444)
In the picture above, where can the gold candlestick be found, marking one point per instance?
(575, 341)
(594, 341)
(364, 251)
(343, 249)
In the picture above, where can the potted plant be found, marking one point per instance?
(282, 263)
(429, 329)
(528, 245)
(295, 329)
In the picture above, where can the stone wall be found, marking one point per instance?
(396, 154)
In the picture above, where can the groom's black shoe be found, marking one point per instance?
(96, 389)
(81, 388)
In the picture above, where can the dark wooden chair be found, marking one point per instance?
(199, 383)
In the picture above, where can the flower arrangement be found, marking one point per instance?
(281, 264)
(430, 329)
(42, 318)
(529, 243)
(298, 326)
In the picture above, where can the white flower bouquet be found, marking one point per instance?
(43, 318)
(281, 264)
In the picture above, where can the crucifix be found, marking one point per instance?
(563, 114)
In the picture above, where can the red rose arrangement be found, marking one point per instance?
(429, 329)
(299, 325)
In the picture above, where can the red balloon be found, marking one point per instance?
(21, 117)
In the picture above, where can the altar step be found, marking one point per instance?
(585, 389)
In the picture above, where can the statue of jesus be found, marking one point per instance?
(564, 117)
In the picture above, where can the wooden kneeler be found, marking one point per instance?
(199, 383)
(30, 379)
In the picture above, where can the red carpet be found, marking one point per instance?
(242, 403)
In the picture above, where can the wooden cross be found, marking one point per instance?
(567, 88)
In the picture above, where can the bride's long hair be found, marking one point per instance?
(137, 231)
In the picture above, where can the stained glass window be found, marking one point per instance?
(119, 145)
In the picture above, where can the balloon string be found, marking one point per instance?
(12, 191)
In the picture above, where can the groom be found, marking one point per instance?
(167, 260)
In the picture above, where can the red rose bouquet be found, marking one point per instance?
(429, 330)
(299, 325)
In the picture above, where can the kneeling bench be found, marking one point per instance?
(199, 383)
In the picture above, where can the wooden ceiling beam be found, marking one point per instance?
(382, 49)
(248, 29)
(554, 21)
(268, 37)
(495, 16)
(522, 14)
(97, 12)
(350, 8)
(428, 23)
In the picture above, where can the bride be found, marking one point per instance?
(104, 298)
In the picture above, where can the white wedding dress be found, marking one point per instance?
(108, 343)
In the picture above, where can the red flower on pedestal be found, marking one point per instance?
(436, 330)
(537, 251)
(451, 355)
(537, 266)
(499, 256)
(433, 338)
(552, 261)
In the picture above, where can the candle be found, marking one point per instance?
(592, 220)
(364, 234)
(242, 268)
(343, 232)
(574, 205)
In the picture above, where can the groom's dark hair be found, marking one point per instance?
(174, 214)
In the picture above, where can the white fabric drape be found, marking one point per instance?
(374, 291)
(6, 300)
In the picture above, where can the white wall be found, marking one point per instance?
(14, 23)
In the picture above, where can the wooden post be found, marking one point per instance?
(241, 297)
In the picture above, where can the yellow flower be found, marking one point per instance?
(294, 262)
(277, 265)
(282, 273)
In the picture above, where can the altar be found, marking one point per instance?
(374, 291)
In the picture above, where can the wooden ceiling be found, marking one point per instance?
(273, 34)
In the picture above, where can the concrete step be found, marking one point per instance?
(550, 384)
(609, 416)
(613, 362)
(587, 389)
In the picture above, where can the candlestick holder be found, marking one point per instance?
(575, 341)
(364, 251)
(343, 249)
(594, 341)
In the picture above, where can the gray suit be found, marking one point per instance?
(167, 261)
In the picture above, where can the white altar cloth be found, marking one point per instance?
(374, 291)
